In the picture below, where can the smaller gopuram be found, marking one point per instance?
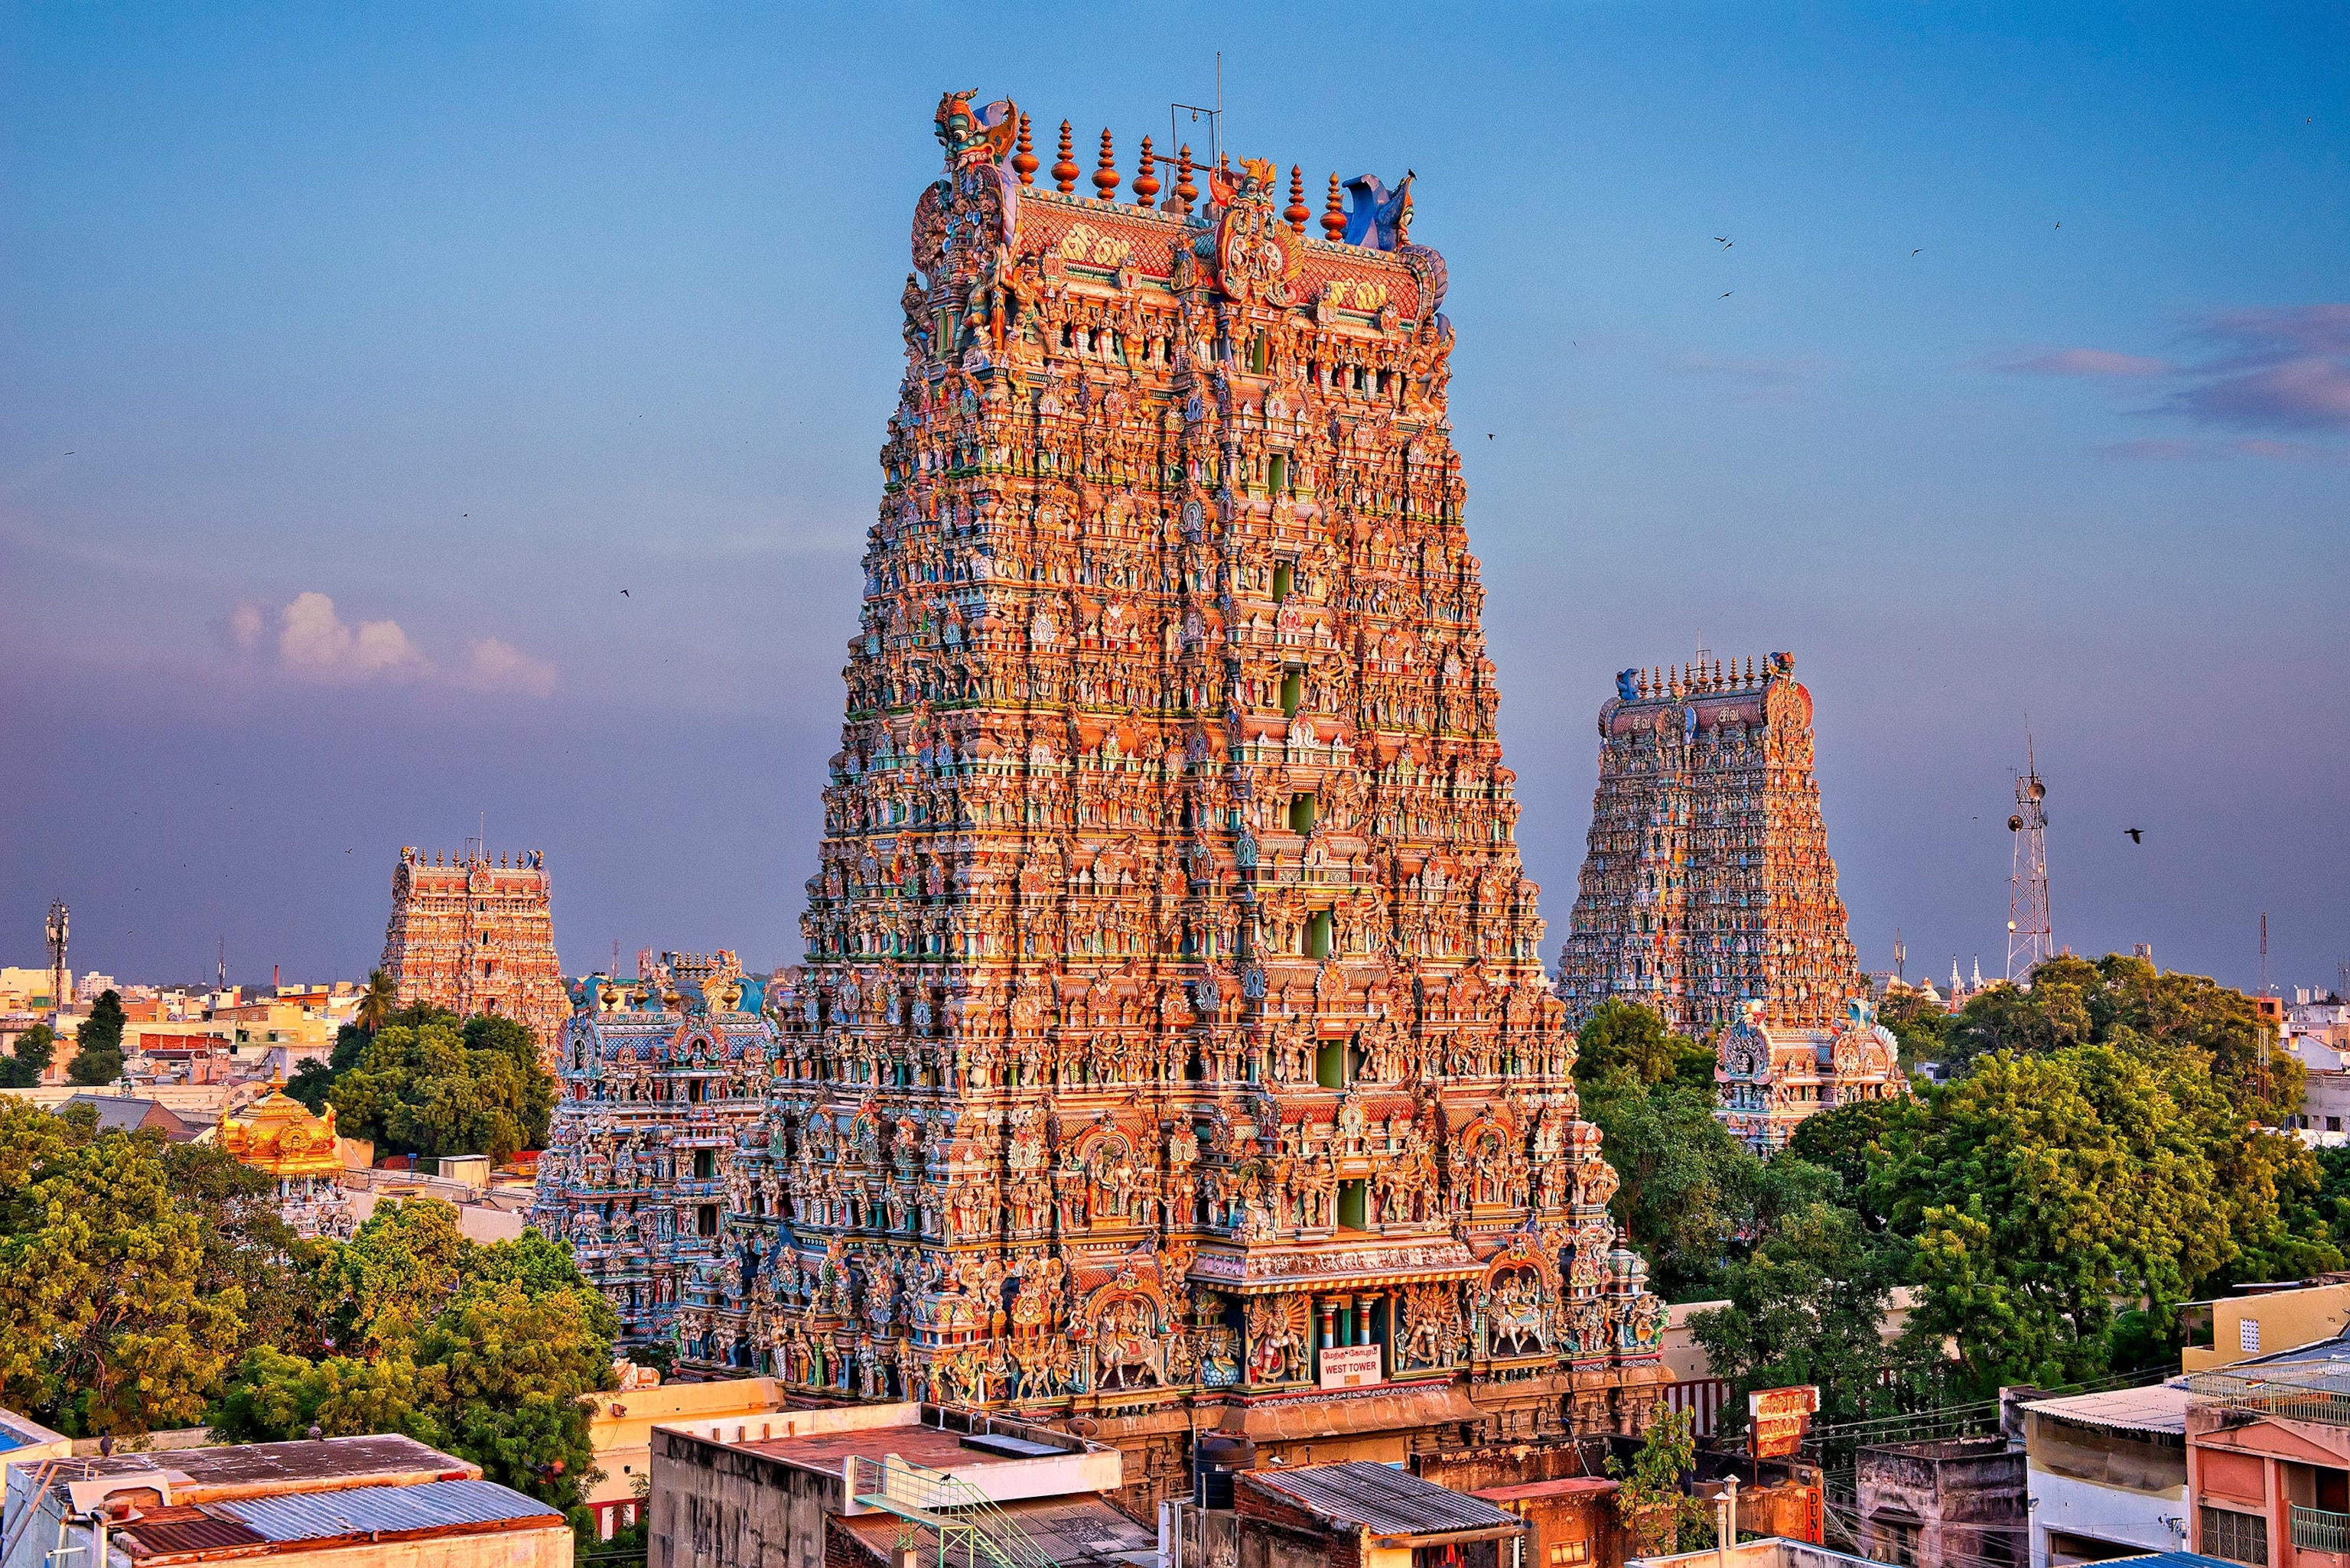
(476, 935)
(1767, 1079)
(278, 1136)
(660, 1074)
(1707, 883)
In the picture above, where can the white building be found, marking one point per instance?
(2107, 1474)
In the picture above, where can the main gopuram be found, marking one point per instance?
(1707, 884)
(1174, 1051)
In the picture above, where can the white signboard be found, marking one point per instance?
(1352, 1367)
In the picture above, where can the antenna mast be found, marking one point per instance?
(57, 931)
(2029, 937)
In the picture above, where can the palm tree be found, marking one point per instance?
(376, 1002)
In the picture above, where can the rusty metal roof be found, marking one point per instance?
(1360, 1495)
(180, 1530)
(364, 1510)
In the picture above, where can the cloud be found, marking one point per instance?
(2085, 362)
(1759, 380)
(2153, 451)
(315, 643)
(494, 665)
(2287, 450)
(2276, 369)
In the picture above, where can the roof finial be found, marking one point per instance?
(1146, 177)
(1106, 176)
(1024, 161)
(1334, 216)
(1064, 168)
(1297, 212)
(1186, 190)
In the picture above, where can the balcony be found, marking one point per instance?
(2318, 1529)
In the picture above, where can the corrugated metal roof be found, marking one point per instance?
(184, 1530)
(1381, 1500)
(2160, 1408)
(355, 1511)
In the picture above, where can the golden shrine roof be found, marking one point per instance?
(278, 1134)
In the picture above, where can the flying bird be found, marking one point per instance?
(1725, 241)
(1728, 292)
(1918, 252)
(1489, 435)
(624, 593)
(2136, 835)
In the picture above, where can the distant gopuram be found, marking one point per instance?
(476, 935)
(1174, 1049)
(1708, 892)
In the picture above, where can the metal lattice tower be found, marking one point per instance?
(56, 931)
(2028, 938)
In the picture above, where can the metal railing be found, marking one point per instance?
(2317, 1530)
(2318, 1393)
(965, 1519)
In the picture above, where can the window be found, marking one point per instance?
(1897, 1544)
(2237, 1537)
(1330, 1064)
(2248, 1336)
(1563, 1554)
(705, 1165)
(1301, 813)
(1352, 1204)
(1284, 574)
(1317, 934)
(1278, 473)
(1292, 692)
(705, 1219)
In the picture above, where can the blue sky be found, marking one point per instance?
(356, 358)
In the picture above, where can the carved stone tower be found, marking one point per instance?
(1707, 882)
(475, 935)
(1174, 1046)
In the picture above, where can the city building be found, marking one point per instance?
(1363, 1515)
(31, 990)
(2268, 1458)
(26, 1442)
(1571, 1522)
(278, 1136)
(474, 935)
(1959, 1502)
(123, 1113)
(768, 1488)
(2107, 1474)
(332, 1503)
(1172, 1027)
(1707, 883)
(663, 1077)
(2261, 1322)
(620, 1429)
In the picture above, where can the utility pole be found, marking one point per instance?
(2029, 934)
(1900, 957)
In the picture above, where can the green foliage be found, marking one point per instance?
(482, 1350)
(1921, 1027)
(99, 1037)
(1806, 1306)
(429, 1087)
(247, 1245)
(29, 1057)
(1846, 1141)
(108, 1322)
(1624, 1036)
(2126, 1003)
(1685, 1184)
(2046, 1192)
(376, 1003)
(310, 1084)
(1651, 1502)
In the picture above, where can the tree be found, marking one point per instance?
(1846, 1140)
(99, 1037)
(106, 1325)
(432, 1087)
(1627, 1036)
(1651, 1502)
(30, 1058)
(377, 1002)
(487, 1351)
(2040, 1191)
(1685, 1184)
(1920, 1026)
(247, 1245)
(1807, 1306)
(311, 1084)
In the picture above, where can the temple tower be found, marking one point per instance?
(1173, 1043)
(475, 935)
(1707, 882)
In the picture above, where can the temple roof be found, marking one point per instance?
(277, 1134)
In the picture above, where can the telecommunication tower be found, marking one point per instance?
(57, 931)
(2028, 938)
